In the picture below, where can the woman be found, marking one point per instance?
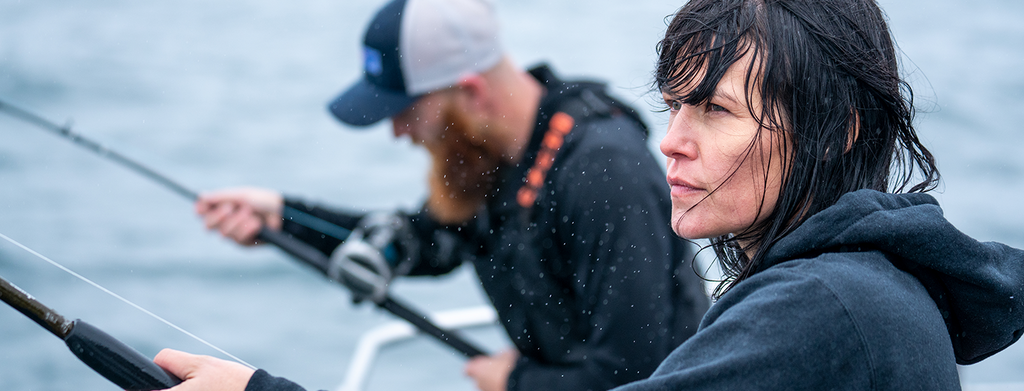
(790, 146)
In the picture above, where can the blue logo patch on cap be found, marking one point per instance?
(373, 62)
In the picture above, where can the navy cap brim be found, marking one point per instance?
(365, 104)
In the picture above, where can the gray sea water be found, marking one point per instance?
(233, 92)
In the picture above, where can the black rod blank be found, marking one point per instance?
(450, 338)
(33, 309)
(314, 258)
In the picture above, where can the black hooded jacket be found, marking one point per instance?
(589, 281)
(878, 292)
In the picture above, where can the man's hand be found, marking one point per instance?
(238, 214)
(491, 372)
(203, 373)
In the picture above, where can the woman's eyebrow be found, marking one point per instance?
(725, 96)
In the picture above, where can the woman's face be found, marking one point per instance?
(720, 166)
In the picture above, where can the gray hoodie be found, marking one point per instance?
(876, 292)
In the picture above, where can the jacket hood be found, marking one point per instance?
(976, 286)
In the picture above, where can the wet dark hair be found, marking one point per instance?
(826, 72)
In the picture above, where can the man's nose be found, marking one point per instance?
(400, 129)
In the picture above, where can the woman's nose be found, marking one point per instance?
(679, 141)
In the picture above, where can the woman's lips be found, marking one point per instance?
(682, 188)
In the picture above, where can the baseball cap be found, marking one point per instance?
(413, 47)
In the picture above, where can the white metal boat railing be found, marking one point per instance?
(374, 340)
(379, 337)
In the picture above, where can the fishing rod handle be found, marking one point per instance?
(119, 363)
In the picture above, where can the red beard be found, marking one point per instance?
(463, 173)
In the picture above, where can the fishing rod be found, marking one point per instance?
(65, 131)
(367, 286)
(84, 142)
(106, 355)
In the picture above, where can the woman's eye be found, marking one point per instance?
(714, 107)
(675, 105)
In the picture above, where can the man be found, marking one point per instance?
(546, 187)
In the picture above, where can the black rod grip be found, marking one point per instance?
(117, 362)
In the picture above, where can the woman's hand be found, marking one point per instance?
(491, 372)
(203, 373)
(238, 214)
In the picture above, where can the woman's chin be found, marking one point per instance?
(686, 230)
(694, 226)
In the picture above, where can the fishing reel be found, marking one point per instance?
(379, 249)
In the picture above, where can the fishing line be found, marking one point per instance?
(126, 301)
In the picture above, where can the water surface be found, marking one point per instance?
(232, 93)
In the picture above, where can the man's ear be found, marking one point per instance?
(474, 91)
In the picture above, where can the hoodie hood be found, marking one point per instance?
(976, 286)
